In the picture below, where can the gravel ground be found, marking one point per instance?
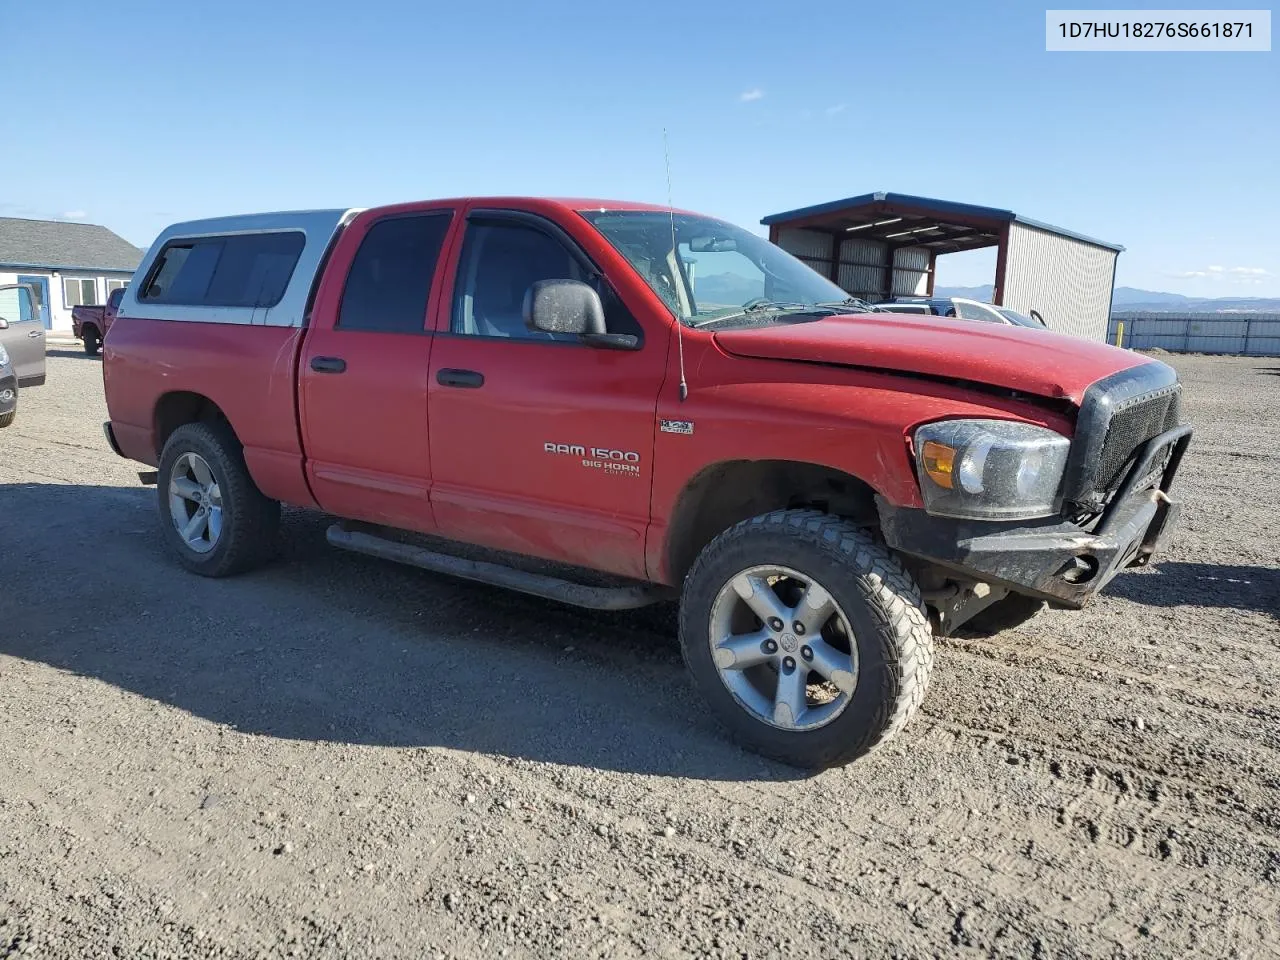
(338, 757)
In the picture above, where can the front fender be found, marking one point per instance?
(848, 420)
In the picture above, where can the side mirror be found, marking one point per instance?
(563, 306)
(4, 324)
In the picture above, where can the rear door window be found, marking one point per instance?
(390, 280)
(26, 309)
(239, 270)
(16, 305)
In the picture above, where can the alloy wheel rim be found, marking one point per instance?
(195, 503)
(783, 647)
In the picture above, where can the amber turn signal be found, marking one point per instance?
(938, 460)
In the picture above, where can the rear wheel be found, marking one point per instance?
(214, 517)
(91, 341)
(808, 639)
(7, 418)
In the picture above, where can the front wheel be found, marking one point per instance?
(91, 341)
(808, 639)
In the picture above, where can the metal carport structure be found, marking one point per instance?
(881, 245)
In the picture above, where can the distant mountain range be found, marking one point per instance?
(1131, 299)
(726, 288)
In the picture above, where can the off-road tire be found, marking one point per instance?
(250, 521)
(883, 607)
(7, 418)
(92, 342)
(1005, 614)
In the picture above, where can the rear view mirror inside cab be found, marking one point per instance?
(713, 244)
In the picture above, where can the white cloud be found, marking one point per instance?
(1250, 271)
(838, 108)
(747, 96)
(75, 215)
(1215, 269)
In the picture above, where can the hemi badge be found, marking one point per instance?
(676, 426)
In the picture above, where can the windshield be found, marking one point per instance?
(717, 271)
(1021, 319)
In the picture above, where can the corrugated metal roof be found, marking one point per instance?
(56, 245)
(927, 206)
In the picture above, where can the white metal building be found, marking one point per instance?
(67, 264)
(882, 245)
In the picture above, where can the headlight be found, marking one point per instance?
(4, 355)
(990, 469)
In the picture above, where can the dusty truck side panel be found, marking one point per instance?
(740, 415)
(172, 361)
(244, 376)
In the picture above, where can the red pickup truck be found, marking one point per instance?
(613, 404)
(90, 324)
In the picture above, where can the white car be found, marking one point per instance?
(22, 333)
(964, 309)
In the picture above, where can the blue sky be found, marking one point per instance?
(137, 114)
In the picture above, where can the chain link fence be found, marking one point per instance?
(1254, 334)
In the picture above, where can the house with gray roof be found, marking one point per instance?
(68, 264)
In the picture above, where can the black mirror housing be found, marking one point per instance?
(563, 306)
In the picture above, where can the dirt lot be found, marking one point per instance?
(340, 757)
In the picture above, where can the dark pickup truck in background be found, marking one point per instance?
(91, 324)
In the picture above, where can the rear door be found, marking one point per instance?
(365, 367)
(22, 333)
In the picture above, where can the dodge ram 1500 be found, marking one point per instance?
(612, 404)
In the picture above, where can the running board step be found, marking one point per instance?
(539, 585)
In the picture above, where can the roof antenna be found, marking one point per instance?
(671, 213)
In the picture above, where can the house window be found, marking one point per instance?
(78, 292)
(114, 285)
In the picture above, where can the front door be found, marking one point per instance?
(539, 444)
(22, 333)
(40, 287)
(364, 368)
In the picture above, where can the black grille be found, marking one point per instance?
(1131, 425)
(1117, 415)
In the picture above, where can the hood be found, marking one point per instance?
(1036, 362)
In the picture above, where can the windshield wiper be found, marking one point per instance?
(855, 302)
(759, 305)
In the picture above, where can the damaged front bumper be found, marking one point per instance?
(1054, 559)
